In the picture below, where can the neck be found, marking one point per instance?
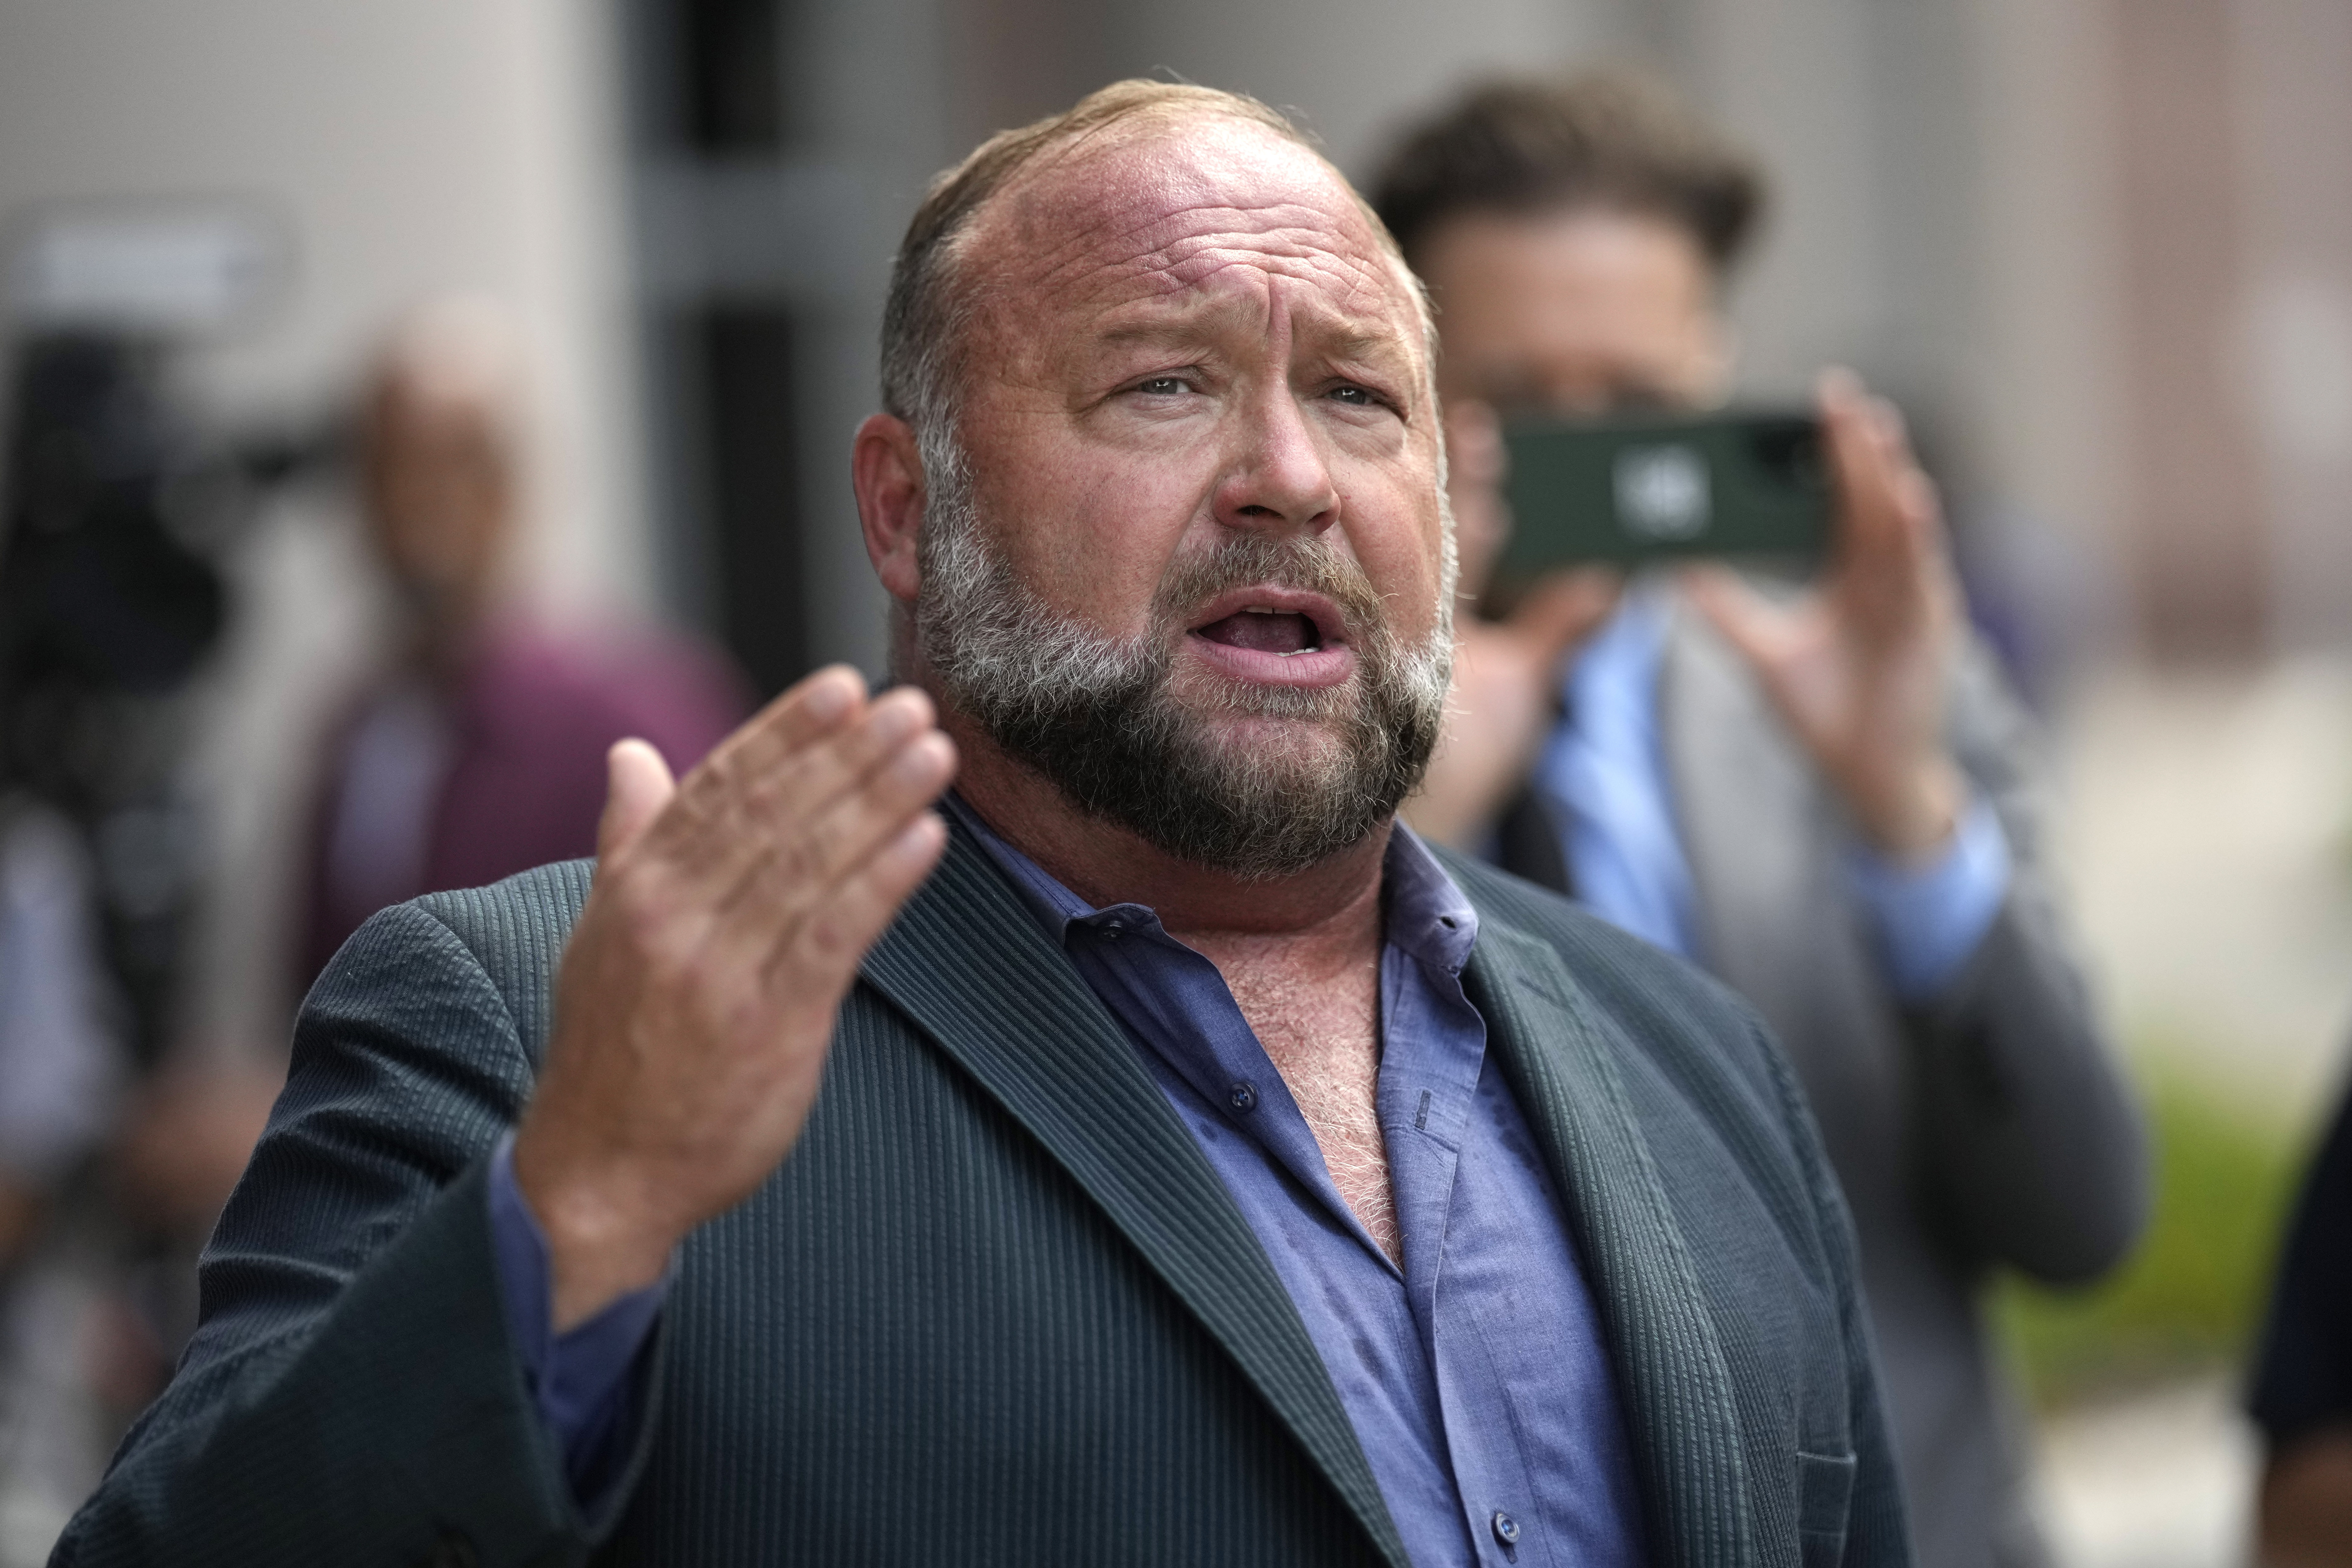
(441, 639)
(1336, 900)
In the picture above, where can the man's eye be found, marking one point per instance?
(1359, 397)
(1162, 386)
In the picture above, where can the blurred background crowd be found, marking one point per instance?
(404, 400)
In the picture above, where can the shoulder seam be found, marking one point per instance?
(506, 1009)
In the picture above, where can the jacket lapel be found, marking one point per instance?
(966, 962)
(1671, 1370)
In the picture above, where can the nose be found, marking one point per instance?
(1277, 481)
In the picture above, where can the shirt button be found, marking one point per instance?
(1507, 1529)
(1243, 1097)
(1114, 928)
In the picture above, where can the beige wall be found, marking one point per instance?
(407, 146)
(410, 144)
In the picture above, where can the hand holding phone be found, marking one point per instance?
(1630, 490)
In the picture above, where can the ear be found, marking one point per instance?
(886, 469)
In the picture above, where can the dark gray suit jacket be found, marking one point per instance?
(1989, 1128)
(996, 1307)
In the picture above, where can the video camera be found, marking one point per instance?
(115, 506)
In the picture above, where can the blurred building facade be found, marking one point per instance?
(2095, 245)
(2101, 250)
(2098, 249)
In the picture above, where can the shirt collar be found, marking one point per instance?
(1427, 917)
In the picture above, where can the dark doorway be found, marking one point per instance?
(752, 490)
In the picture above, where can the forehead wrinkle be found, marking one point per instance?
(1151, 217)
(1182, 246)
(1191, 259)
(1335, 332)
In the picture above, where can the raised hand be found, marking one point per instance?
(1857, 665)
(1504, 673)
(697, 995)
(1502, 704)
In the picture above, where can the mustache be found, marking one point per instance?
(1311, 565)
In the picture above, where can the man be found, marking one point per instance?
(1826, 798)
(1156, 1156)
(478, 751)
(2302, 1393)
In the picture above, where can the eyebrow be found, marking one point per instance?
(1348, 343)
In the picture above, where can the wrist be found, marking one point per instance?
(1911, 816)
(601, 1245)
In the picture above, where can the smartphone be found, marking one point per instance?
(1738, 482)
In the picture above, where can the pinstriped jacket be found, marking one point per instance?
(995, 1307)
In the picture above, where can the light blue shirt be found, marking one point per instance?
(1604, 781)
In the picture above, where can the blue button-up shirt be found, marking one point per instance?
(1476, 1374)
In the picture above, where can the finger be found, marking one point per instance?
(1856, 439)
(1758, 630)
(637, 784)
(1476, 462)
(1564, 608)
(1474, 441)
(733, 813)
(1914, 520)
(803, 787)
(811, 708)
(804, 862)
(814, 962)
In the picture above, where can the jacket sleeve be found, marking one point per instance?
(352, 1396)
(2034, 1148)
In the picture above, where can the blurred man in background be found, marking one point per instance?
(62, 1064)
(1825, 797)
(2302, 1396)
(480, 750)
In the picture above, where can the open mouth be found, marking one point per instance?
(1284, 632)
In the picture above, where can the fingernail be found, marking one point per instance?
(831, 694)
(896, 717)
(922, 760)
(918, 836)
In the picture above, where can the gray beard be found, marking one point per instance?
(1094, 715)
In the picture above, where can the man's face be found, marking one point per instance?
(439, 493)
(1196, 566)
(1583, 312)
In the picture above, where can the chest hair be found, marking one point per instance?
(1322, 1034)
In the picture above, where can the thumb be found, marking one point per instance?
(637, 784)
(1743, 617)
(1564, 609)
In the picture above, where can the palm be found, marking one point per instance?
(1856, 666)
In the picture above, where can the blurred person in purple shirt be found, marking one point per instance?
(479, 751)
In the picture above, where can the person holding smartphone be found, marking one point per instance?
(1823, 794)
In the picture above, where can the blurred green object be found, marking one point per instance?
(2192, 1300)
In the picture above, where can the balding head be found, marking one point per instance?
(935, 291)
(441, 453)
